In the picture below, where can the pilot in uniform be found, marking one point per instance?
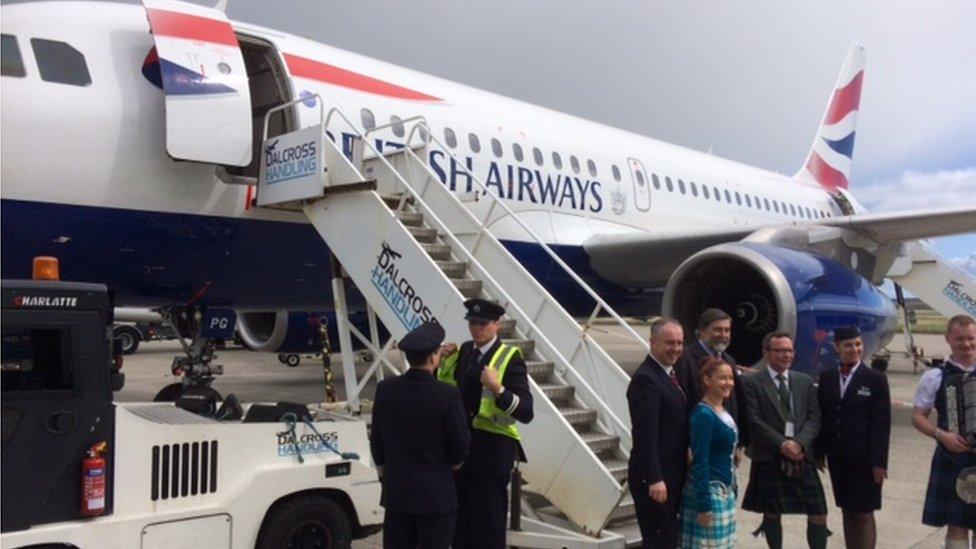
(494, 385)
(419, 437)
(855, 407)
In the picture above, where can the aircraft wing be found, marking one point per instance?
(643, 259)
(908, 225)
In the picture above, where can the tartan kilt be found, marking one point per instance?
(771, 491)
(942, 504)
(721, 533)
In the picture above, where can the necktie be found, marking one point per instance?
(845, 369)
(674, 379)
(784, 394)
(476, 357)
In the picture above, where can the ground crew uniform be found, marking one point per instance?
(419, 436)
(483, 480)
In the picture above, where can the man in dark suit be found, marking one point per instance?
(714, 331)
(785, 415)
(494, 385)
(856, 415)
(419, 435)
(659, 427)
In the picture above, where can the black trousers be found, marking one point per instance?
(482, 511)
(410, 531)
(658, 522)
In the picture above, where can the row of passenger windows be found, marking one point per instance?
(705, 192)
(56, 61)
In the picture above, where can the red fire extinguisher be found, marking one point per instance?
(93, 481)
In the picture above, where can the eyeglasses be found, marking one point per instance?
(791, 351)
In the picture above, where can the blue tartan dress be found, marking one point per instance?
(942, 505)
(711, 487)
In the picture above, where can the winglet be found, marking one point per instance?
(829, 162)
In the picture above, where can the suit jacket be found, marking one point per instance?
(766, 420)
(857, 426)
(659, 426)
(419, 435)
(688, 369)
(492, 454)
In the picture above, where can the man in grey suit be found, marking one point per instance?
(784, 418)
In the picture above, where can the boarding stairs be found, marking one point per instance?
(416, 252)
(945, 287)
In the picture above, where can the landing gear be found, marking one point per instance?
(290, 360)
(197, 368)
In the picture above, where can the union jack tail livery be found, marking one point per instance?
(829, 161)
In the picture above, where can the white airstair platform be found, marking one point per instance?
(416, 253)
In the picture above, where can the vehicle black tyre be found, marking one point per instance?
(169, 393)
(292, 360)
(128, 337)
(306, 521)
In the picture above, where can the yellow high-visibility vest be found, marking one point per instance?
(490, 417)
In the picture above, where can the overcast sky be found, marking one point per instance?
(751, 80)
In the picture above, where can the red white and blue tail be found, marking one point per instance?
(829, 161)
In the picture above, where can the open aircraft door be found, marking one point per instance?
(208, 105)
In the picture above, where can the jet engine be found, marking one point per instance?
(284, 331)
(766, 288)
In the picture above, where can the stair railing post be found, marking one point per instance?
(345, 339)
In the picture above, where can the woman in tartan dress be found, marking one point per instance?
(708, 514)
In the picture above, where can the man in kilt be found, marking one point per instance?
(784, 418)
(953, 453)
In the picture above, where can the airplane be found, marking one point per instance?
(132, 144)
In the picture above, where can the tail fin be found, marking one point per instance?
(829, 161)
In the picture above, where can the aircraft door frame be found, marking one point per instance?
(641, 184)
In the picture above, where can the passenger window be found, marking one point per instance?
(738, 198)
(755, 199)
(369, 121)
(616, 172)
(694, 188)
(450, 138)
(681, 186)
(748, 201)
(474, 142)
(591, 167)
(669, 184)
(35, 359)
(60, 63)
(496, 147)
(656, 181)
(766, 202)
(705, 192)
(784, 208)
(574, 163)
(13, 63)
(792, 210)
(537, 156)
(728, 197)
(640, 177)
(397, 126)
(718, 195)
(557, 160)
(517, 151)
(776, 206)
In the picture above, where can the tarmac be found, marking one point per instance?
(261, 377)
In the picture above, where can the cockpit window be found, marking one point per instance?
(13, 64)
(59, 62)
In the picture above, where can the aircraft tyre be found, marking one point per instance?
(305, 521)
(290, 360)
(169, 393)
(128, 337)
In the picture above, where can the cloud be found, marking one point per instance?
(967, 264)
(915, 189)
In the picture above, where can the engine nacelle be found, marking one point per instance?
(767, 288)
(285, 331)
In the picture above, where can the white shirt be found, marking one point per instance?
(667, 369)
(929, 384)
(786, 379)
(484, 348)
(846, 380)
